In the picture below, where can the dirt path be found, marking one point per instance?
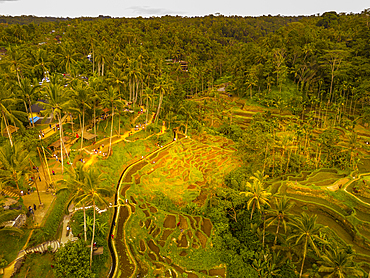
(354, 196)
(338, 184)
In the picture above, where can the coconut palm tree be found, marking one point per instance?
(58, 102)
(14, 162)
(111, 99)
(163, 86)
(75, 184)
(8, 111)
(257, 195)
(26, 92)
(188, 109)
(280, 214)
(16, 60)
(96, 85)
(306, 232)
(41, 61)
(81, 94)
(116, 78)
(92, 193)
(290, 250)
(67, 56)
(338, 263)
(134, 76)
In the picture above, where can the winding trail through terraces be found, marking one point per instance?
(123, 262)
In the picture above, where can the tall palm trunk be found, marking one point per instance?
(19, 81)
(111, 132)
(277, 231)
(159, 107)
(304, 257)
(253, 208)
(93, 58)
(94, 120)
(15, 178)
(147, 110)
(85, 222)
(79, 118)
(92, 238)
(130, 89)
(83, 126)
(119, 123)
(7, 129)
(61, 140)
(71, 119)
(29, 103)
(25, 106)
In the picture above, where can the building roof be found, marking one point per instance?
(56, 144)
(11, 128)
(88, 136)
(36, 108)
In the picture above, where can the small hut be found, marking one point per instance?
(56, 144)
(88, 136)
(11, 129)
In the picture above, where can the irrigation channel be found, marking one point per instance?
(123, 261)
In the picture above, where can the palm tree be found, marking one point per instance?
(148, 94)
(188, 109)
(257, 196)
(306, 232)
(16, 60)
(116, 78)
(280, 214)
(92, 193)
(67, 56)
(75, 184)
(26, 92)
(339, 264)
(134, 75)
(163, 86)
(81, 93)
(289, 248)
(95, 83)
(111, 99)
(352, 145)
(14, 162)
(8, 111)
(41, 61)
(57, 102)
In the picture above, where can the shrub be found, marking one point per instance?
(72, 260)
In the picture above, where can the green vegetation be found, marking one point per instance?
(72, 260)
(36, 265)
(244, 143)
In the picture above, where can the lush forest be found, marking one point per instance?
(288, 95)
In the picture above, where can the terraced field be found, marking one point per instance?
(346, 214)
(150, 241)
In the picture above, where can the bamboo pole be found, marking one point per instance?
(42, 166)
(47, 166)
(37, 188)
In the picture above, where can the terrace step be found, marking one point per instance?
(43, 247)
(11, 194)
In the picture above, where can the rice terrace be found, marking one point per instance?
(181, 171)
(185, 147)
